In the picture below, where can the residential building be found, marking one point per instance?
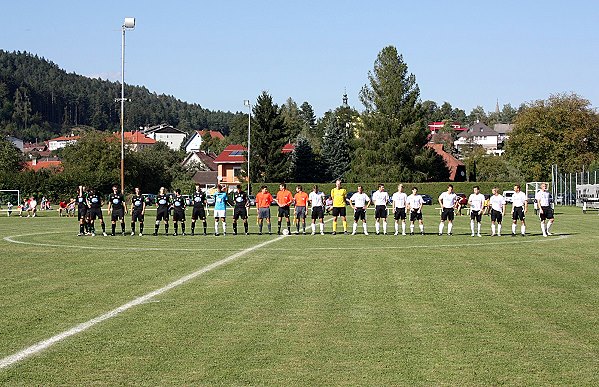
(288, 148)
(479, 134)
(230, 162)
(137, 141)
(202, 161)
(36, 164)
(17, 142)
(503, 131)
(61, 142)
(168, 134)
(435, 127)
(457, 169)
(196, 139)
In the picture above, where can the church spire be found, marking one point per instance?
(345, 99)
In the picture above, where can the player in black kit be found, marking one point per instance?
(138, 209)
(163, 203)
(241, 209)
(94, 204)
(82, 211)
(117, 208)
(199, 202)
(178, 212)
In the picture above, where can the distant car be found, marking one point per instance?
(210, 200)
(252, 199)
(507, 195)
(427, 199)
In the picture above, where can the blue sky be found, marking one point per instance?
(218, 53)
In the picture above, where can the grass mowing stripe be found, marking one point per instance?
(32, 350)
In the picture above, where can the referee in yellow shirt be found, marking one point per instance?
(339, 196)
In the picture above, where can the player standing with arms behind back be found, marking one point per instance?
(220, 209)
(163, 203)
(339, 196)
(242, 204)
(448, 201)
(415, 203)
(81, 211)
(300, 201)
(263, 201)
(399, 209)
(199, 212)
(138, 209)
(476, 201)
(380, 198)
(519, 209)
(284, 199)
(543, 199)
(178, 212)
(360, 202)
(117, 208)
(317, 200)
(497, 202)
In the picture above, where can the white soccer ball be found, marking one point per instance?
(285, 232)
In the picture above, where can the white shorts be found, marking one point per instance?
(220, 213)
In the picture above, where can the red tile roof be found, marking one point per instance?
(65, 138)
(138, 138)
(233, 153)
(47, 164)
(213, 134)
(288, 148)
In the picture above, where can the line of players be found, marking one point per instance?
(89, 205)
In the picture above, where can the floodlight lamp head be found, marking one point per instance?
(129, 23)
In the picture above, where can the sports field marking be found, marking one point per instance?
(531, 239)
(42, 345)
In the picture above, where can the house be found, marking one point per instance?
(479, 134)
(137, 141)
(435, 127)
(61, 142)
(230, 162)
(196, 139)
(17, 142)
(168, 134)
(457, 169)
(201, 160)
(503, 131)
(36, 164)
(288, 148)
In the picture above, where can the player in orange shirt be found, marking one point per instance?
(284, 200)
(263, 201)
(300, 200)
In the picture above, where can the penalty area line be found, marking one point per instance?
(42, 345)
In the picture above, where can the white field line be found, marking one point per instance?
(42, 345)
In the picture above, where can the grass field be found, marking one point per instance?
(304, 310)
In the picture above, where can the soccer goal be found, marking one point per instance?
(10, 199)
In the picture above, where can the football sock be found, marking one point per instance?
(156, 227)
(523, 229)
(289, 227)
(441, 225)
(396, 227)
(421, 227)
(321, 227)
(235, 227)
(193, 227)
(141, 227)
(133, 227)
(216, 226)
(513, 228)
(183, 228)
(113, 227)
(166, 228)
(345, 225)
(449, 227)
(377, 227)
(412, 227)
(384, 226)
(80, 229)
(365, 227)
(103, 227)
(355, 227)
(493, 229)
(478, 228)
(313, 226)
(499, 229)
(245, 226)
(260, 226)
(549, 226)
(297, 227)
(122, 226)
(279, 225)
(334, 225)
(176, 225)
(269, 227)
(403, 227)
(472, 226)
(543, 228)
(224, 226)
(205, 226)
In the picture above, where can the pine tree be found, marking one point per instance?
(268, 138)
(335, 149)
(303, 162)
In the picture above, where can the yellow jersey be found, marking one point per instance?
(339, 196)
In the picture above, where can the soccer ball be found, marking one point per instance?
(285, 232)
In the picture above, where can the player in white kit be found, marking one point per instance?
(543, 199)
(360, 202)
(415, 203)
(519, 209)
(399, 199)
(497, 202)
(380, 199)
(447, 200)
(476, 201)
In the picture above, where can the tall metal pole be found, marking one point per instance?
(249, 105)
(123, 112)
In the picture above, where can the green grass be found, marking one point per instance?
(305, 310)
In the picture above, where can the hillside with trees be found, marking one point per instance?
(39, 100)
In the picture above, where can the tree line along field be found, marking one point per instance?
(351, 310)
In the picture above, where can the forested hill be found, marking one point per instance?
(40, 100)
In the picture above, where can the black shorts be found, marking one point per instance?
(317, 212)
(162, 214)
(518, 213)
(284, 212)
(360, 213)
(95, 213)
(415, 215)
(240, 212)
(198, 213)
(137, 216)
(447, 214)
(81, 213)
(476, 215)
(339, 211)
(496, 216)
(399, 213)
(300, 212)
(117, 215)
(178, 216)
(380, 212)
(546, 214)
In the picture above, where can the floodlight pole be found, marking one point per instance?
(249, 105)
(129, 23)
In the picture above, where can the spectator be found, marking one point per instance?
(62, 208)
